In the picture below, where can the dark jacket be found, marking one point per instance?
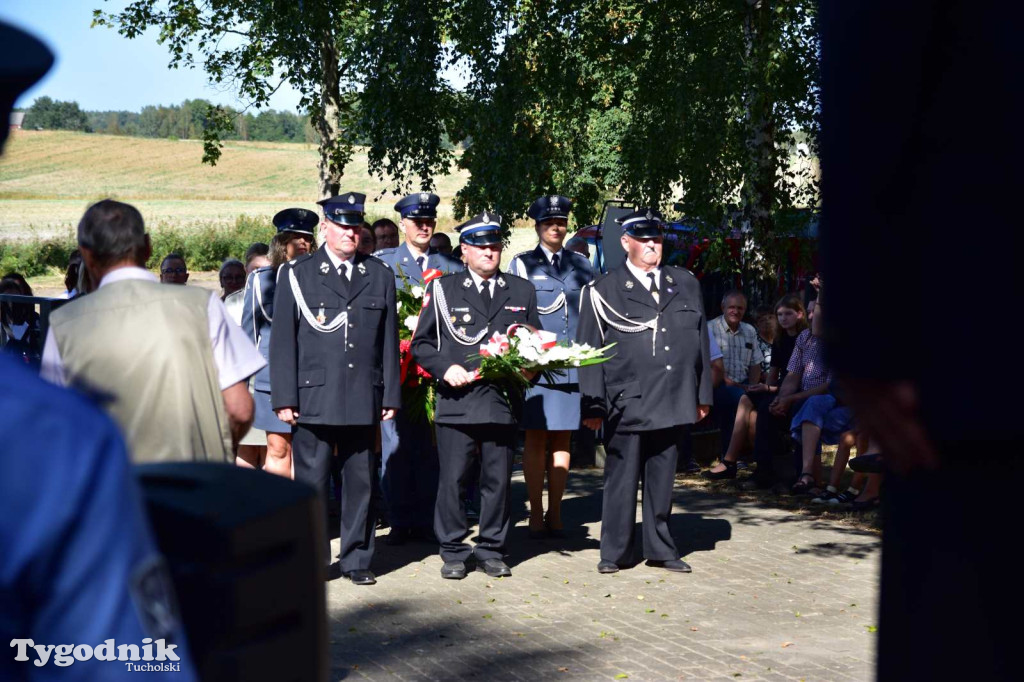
(329, 382)
(647, 386)
(514, 302)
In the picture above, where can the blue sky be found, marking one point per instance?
(101, 70)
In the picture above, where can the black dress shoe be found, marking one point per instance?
(361, 577)
(453, 570)
(607, 567)
(397, 537)
(495, 568)
(677, 565)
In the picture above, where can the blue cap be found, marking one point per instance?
(344, 209)
(419, 205)
(480, 230)
(297, 220)
(642, 224)
(554, 206)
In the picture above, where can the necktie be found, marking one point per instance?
(343, 271)
(419, 262)
(654, 287)
(485, 292)
(554, 261)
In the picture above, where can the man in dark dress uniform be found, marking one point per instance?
(657, 383)
(409, 459)
(334, 369)
(463, 310)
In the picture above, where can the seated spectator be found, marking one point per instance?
(579, 245)
(232, 277)
(19, 322)
(71, 274)
(742, 359)
(386, 233)
(442, 243)
(173, 269)
(789, 323)
(367, 241)
(821, 420)
(863, 492)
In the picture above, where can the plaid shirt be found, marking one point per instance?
(740, 349)
(808, 358)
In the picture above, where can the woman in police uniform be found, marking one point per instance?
(294, 238)
(552, 411)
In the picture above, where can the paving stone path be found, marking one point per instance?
(774, 595)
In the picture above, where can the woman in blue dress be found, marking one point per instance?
(552, 410)
(294, 238)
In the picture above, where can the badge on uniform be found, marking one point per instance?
(668, 278)
(321, 318)
(515, 308)
(629, 284)
(361, 268)
(501, 282)
(467, 318)
(540, 277)
(324, 268)
(467, 282)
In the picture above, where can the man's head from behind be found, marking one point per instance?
(173, 269)
(112, 235)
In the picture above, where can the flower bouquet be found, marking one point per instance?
(417, 384)
(506, 359)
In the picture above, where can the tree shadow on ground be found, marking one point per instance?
(443, 643)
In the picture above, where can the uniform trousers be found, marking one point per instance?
(408, 471)
(313, 447)
(456, 444)
(651, 455)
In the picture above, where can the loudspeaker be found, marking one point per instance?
(245, 550)
(611, 231)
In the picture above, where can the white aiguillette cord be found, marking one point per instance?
(543, 310)
(333, 325)
(441, 310)
(600, 307)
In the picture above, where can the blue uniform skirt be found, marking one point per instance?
(552, 407)
(264, 416)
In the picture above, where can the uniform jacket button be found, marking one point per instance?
(350, 365)
(668, 367)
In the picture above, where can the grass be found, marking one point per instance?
(47, 178)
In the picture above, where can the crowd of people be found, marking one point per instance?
(294, 367)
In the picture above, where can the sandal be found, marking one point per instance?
(802, 486)
(728, 472)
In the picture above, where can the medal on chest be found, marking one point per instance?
(320, 317)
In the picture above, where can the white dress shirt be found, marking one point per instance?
(234, 354)
(547, 253)
(642, 276)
